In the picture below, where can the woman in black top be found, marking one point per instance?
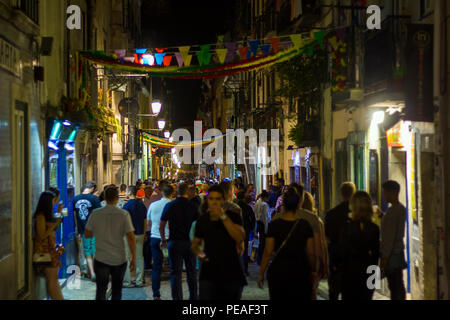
(289, 274)
(221, 272)
(359, 248)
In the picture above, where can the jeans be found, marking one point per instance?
(335, 275)
(223, 292)
(102, 272)
(157, 255)
(147, 253)
(139, 262)
(180, 251)
(396, 285)
(245, 257)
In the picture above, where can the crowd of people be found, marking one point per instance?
(212, 231)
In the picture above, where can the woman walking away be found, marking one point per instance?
(309, 204)
(358, 248)
(291, 240)
(46, 252)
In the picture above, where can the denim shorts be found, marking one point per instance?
(88, 246)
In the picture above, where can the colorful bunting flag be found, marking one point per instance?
(187, 60)
(167, 60)
(275, 41)
(141, 51)
(221, 54)
(231, 46)
(159, 58)
(179, 59)
(297, 40)
(243, 52)
(265, 48)
(319, 36)
(160, 50)
(253, 46)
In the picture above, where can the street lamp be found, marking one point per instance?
(166, 134)
(156, 107)
(161, 124)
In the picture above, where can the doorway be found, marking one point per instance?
(20, 215)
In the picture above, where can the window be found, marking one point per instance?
(426, 8)
(28, 7)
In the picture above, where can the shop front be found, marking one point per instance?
(61, 155)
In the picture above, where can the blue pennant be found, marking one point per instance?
(159, 58)
(253, 46)
(265, 48)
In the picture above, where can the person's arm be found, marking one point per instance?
(162, 227)
(268, 250)
(132, 244)
(89, 228)
(310, 252)
(235, 230)
(196, 249)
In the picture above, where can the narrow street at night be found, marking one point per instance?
(230, 158)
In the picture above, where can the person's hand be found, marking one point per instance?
(379, 212)
(261, 281)
(133, 264)
(60, 207)
(240, 250)
(202, 257)
(164, 244)
(216, 211)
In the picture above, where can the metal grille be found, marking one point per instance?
(29, 7)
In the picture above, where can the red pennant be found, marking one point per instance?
(167, 60)
(160, 50)
(275, 43)
(243, 51)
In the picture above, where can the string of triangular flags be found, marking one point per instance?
(224, 59)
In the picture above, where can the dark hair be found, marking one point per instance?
(391, 185)
(162, 183)
(213, 188)
(291, 199)
(54, 190)
(241, 195)
(133, 190)
(167, 190)
(45, 205)
(226, 186)
(123, 187)
(264, 194)
(90, 185)
(297, 187)
(182, 189)
(111, 193)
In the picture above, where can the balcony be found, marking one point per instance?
(29, 7)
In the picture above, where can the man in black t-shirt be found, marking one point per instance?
(248, 223)
(180, 214)
(222, 275)
(83, 205)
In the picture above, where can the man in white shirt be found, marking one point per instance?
(262, 221)
(109, 225)
(154, 218)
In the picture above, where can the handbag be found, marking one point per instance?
(42, 258)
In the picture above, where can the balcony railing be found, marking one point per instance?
(29, 7)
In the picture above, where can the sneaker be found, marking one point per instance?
(131, 285)
(139, 286)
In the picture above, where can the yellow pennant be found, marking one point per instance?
(221, 54)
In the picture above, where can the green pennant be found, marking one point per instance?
(319, 36)
(310, 50)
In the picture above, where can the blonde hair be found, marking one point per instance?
(361, 207)
(309, 203)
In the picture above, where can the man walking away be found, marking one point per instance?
(154, 218)
(110, 225)
(180, 214)
(335, 221)
(392, 246)
(138, 214)
(83, 205)
(249, 225)
(262, 221)
(123, 197)
(193, 197)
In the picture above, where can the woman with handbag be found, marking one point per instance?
(46, 252)
(290, 246)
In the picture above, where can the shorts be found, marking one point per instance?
(88, 246)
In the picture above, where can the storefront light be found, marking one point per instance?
(56, 130)
(53, 144)
(156, 107)
(166, 134)
(378, 117)
(69, 146)
(67, 123)
(72, 135)
(161, 124)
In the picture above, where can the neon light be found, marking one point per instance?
(56, 131)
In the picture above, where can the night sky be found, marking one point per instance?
(167, 23)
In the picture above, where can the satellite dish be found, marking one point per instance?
(128, 107)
